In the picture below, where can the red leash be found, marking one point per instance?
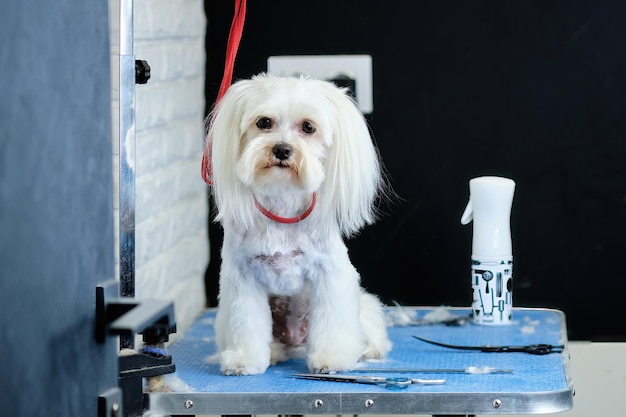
(234, 37)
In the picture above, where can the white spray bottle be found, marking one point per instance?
(489, 207)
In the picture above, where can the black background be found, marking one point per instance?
(530, 90)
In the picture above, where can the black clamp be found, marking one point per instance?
(123, 316)
(133, 368)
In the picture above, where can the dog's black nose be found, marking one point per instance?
(282, 151)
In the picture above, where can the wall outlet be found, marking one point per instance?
(329, 67)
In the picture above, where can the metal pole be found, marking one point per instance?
(123, 97)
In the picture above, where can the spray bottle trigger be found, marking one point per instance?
(468, 214)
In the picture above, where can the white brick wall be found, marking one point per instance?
(170, 196)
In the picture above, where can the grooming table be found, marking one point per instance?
(538, 384)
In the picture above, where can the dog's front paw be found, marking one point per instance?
(238, 363)
(333, 361)
(329, 365)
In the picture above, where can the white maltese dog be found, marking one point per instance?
(294, 171)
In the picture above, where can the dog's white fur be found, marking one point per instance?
(332, 154)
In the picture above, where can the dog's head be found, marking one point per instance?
(279, 136)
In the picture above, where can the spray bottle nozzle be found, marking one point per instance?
(468, 214)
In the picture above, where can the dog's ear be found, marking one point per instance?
(353, 169)
(223, 146)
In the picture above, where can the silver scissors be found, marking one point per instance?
(395, 383)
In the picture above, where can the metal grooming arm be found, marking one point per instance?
(123, 102)
(117, 311)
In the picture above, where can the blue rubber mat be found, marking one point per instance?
(531, 373)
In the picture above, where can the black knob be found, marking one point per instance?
(142, 71)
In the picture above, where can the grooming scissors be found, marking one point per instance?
(538, 349)
(394, 383)
(470, 370)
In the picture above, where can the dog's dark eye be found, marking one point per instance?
(308, 128)
(264, 123)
